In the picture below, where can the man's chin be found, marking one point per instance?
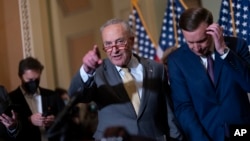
(198, 53)
(117, 63)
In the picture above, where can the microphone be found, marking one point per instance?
(63, 116)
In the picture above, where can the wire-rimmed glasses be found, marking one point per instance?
(118, 44)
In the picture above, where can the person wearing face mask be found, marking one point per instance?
(62, 94)
(208, 104)
(37, 106)
(129, 91)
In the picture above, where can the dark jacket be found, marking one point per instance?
(5, 103)
(204, 109)
(50, 104)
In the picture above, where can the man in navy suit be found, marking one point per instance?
(206, 107)
(102, 82)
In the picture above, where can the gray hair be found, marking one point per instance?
(119, 21)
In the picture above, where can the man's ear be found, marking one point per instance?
(132, 40)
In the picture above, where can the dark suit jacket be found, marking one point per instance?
(4, 103)
(115, 109)
(50, 104)
(203, 109)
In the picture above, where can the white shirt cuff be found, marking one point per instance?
(84, 74)
(225, 54)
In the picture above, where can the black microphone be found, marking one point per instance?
(64, 115)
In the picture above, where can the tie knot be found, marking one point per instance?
(209, 58)
(125, 70)
(127, 76)
(209, 53)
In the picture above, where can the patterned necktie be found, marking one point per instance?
(210, 68)
(129, 84)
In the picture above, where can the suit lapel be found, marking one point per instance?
(197, 70)
(197, 75)
(20, 99)
(217, 68)
(115, 80)
(147, 75)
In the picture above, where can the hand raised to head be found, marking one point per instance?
(217, 33)
(92, 60)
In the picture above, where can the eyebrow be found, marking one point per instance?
(115, 40)
(200, 41)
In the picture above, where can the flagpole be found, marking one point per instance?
(135, 4)
(183, 4)
(232, 16)
(174, 25)
(131, 10)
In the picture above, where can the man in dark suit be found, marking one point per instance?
(102, 81)
(206, 106)
(37, 106)
(9, 126)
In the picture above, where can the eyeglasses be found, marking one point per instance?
(118, 44)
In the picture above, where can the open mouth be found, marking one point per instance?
(116, 57)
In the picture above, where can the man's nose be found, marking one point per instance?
(196, 46)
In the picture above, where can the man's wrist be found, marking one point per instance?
(13, 128)
(224, 51)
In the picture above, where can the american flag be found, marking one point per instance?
(144, 45)
(237, 24)
(171, 34)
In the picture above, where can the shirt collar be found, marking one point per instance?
(27, 94)
(210, 51)
(133, 63)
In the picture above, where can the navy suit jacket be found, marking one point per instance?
(50, 103)
(155, 117)
(203, 109)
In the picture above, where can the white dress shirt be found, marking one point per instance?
(136, 69)
(204, 59)
(35, 104)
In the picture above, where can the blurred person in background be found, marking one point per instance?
(37, 106)
(9, 125)
(63, 94)
(81, 118)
